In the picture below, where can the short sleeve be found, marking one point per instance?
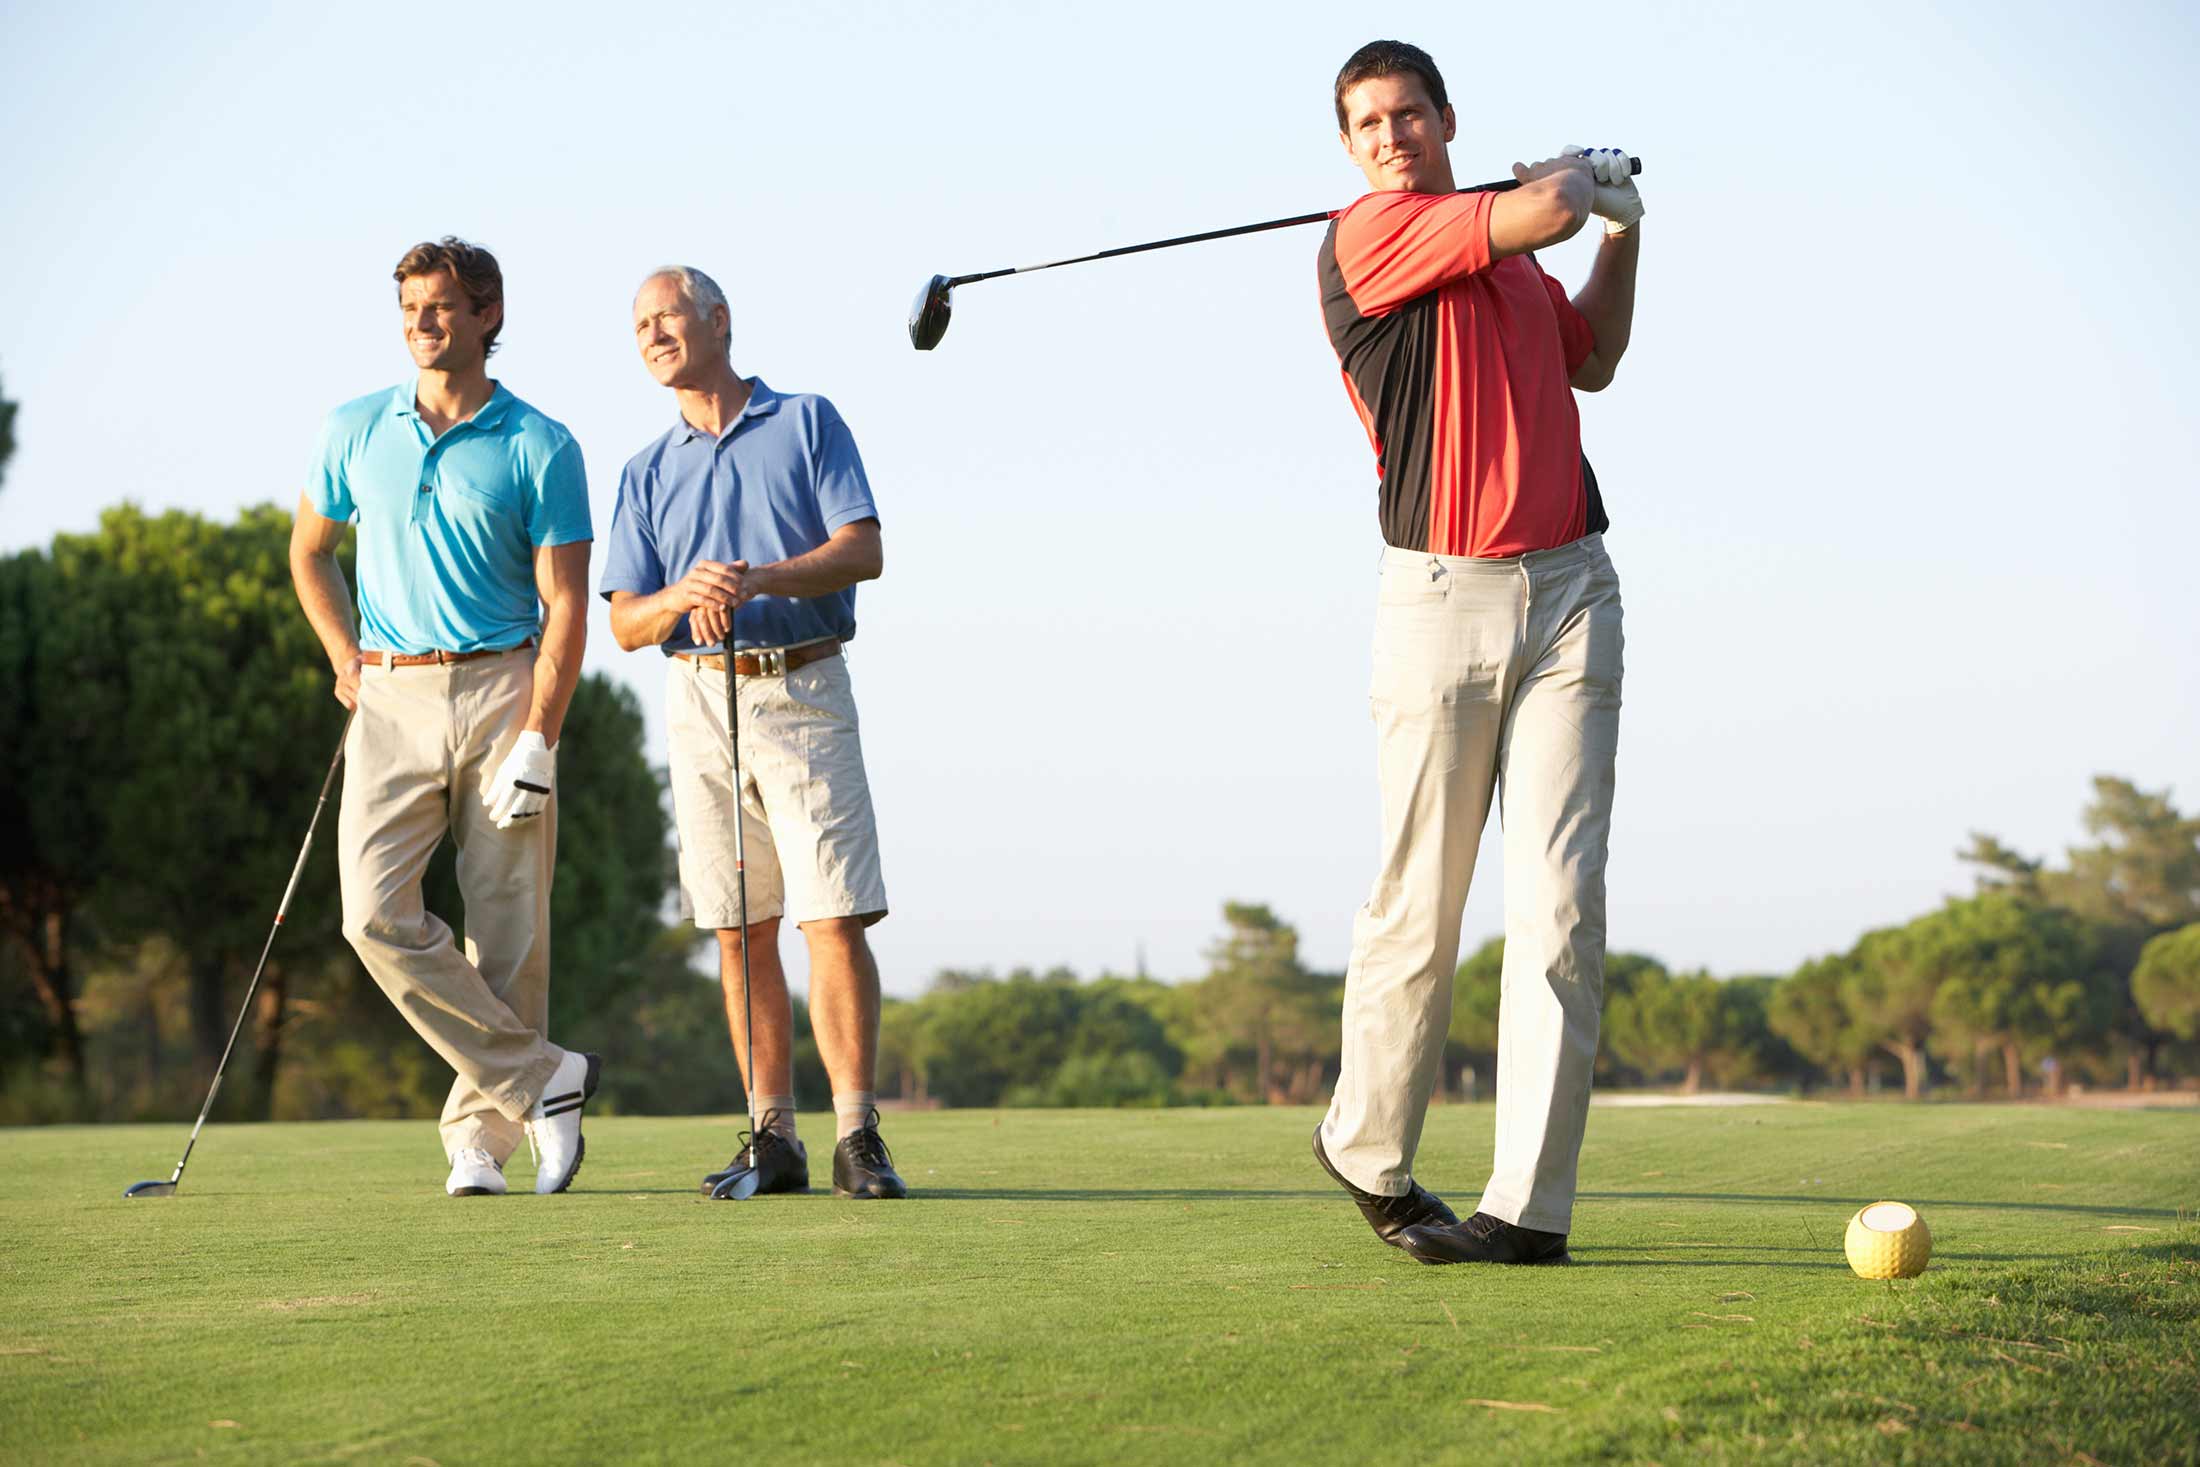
(1394, 247)
(843, 492)
(327, 491)
(1575, 334)
(557, 510)
(630, 561)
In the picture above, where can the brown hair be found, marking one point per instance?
(473, 267)
(1390, 58)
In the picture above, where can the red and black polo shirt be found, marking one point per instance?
(1458, 366)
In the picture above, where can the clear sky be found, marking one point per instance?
(1900, 462)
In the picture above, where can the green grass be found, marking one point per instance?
(1168, 1287)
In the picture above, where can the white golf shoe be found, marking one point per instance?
(554, 1125)
(475, 1173)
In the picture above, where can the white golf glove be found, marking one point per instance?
(522, 783)
(1616, 202)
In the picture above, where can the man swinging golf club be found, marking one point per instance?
(1497, 646)
(744, 529)
(472, 507)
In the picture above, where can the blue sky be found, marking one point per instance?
(1900, 461)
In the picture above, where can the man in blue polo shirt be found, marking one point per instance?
(472, 508)
(744, 529)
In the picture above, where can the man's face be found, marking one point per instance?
(680, 347)
(443, 331)
(1397, 135)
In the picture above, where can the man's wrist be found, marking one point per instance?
(665, 611)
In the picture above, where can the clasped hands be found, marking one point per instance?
(710, 593)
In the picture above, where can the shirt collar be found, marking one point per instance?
(762, 400)
(405, 399)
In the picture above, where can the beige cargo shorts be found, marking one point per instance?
(805, 803)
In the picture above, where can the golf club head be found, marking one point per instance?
(152, 1189)
(743, 1187)
(928, 317)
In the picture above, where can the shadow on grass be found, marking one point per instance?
(1596, 1260)
(1921, 1203)
(919, 1193)
(1126, 1194)
(1750, 1255)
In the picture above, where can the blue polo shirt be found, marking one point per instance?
(781, 478)
(448, 526)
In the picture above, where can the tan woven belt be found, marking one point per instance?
(425, 659)
(773, 662)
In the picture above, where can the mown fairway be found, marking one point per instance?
(1176, 1286)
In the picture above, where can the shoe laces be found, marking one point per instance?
(761, 1135)
(475, 1156)
(867, 1146)
(1409, 1203)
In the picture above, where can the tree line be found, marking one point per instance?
(2044, 977)
(165, 718)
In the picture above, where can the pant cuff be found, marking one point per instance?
(1351, 1173)
(474, 1132)
(517, 1096)
(1543, 1219)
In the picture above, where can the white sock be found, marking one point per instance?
(781, 1123)
(852, 1112)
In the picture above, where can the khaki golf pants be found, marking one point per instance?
(423, 748)
(1491, 676)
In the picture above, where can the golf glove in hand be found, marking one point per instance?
(1616, 203)
(522, 783)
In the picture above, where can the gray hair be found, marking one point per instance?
(702, 294)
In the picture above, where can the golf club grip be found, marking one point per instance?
(1507, 185)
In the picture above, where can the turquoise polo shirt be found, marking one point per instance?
(448, 527)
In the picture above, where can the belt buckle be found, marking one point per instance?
(771, 662)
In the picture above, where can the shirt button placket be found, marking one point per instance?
(427, 487)
(419, 506)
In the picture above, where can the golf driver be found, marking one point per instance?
(742, 1187)
(328, 782)
(935, 302)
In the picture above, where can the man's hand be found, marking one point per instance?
(522, 783)
(711, 593)
(347, 679)
(1568, 160)
(1616, 203)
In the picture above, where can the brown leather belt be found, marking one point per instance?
(424, 659)
(774, 662)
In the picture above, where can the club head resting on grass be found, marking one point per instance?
(928, 317)
(151, 1189)
(741, 1188)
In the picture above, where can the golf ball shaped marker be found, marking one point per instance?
(1888, 1240)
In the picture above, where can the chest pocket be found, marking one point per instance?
(467, 491)
(482, 510)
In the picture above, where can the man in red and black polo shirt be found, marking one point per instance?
(1497, 645)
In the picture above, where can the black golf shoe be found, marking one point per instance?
(1484, 1239)
(780, 1166)
(1390, 1216)
(862, 1167)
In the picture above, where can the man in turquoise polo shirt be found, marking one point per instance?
(472, 509)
